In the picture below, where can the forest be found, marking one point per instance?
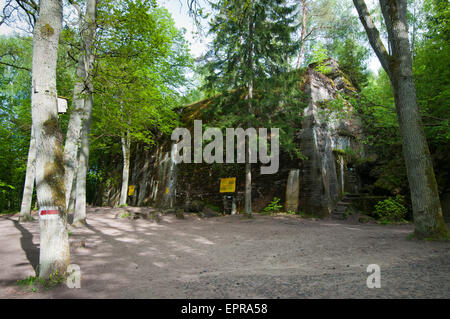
(91, 91)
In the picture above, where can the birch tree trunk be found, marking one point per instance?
(248, 165)
(25, 208)
(88, 36)
(74, 129)
(79, 217)
(427, 211)
(73, 193)
(143, 180)
(126, 168)
(54, 240)
(83, 90)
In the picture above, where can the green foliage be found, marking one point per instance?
(138, 84)
(352, 58)
(146, 58)
(35, 282)
(276, 103)
(432, 78)
(319, 57)
(252, 39)
(15, 117)
(273, 207)
(391, 210)
(376, 108)
(251, 48)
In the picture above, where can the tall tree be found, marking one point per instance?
(87, 57)
(25, 208)
(15, 118)
(303, 35)
(54, 241)
(144, 57)
(252, 41)
(427, 211)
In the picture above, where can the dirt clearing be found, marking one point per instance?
(230, 257)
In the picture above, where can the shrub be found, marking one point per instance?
(391, 209)
(273, 206)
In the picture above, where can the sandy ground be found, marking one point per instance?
(230, 257)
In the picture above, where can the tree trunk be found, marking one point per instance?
(54, 240)
(79, 217)
(81, 113)
(88, 37)
(74, 129)
(135, 175)
(143, 180)
(302, 47)
(427, 211)
(25, 208)
(126, 168)
(248, 165)
(73, 193)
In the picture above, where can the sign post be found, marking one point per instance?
(228, 185)
(131, 190)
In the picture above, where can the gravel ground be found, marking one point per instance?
(230, 257)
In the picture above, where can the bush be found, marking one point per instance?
(273, 206)
(391, 209)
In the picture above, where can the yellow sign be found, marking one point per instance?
(167, 190)
(228, 185)
(131, 190)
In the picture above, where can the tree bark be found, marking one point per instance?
(73, 193)
(126, 168)
(427, 211)
(54, 254)
(83, 90)
(74, 129)
(79, 217)
(248, 165)
(25, 208)
(143, 180)
(88, 36)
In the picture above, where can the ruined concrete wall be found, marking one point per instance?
(325, 135)
(324, 176)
